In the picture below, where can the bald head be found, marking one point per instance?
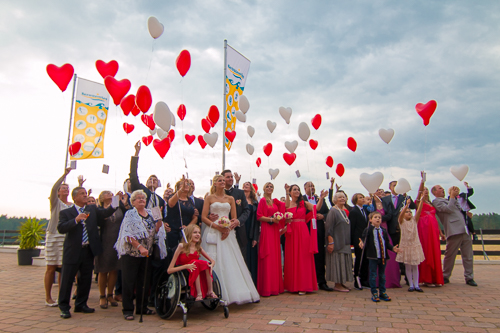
(437, 191)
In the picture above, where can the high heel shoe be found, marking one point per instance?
(111, 300)
(105, 305)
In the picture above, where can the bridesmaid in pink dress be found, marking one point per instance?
(300, 245)
(430, 270)
(269, 271)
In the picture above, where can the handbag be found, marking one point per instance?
(211, 236)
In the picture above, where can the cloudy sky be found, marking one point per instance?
(362, 65)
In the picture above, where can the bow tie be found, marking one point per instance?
(311, 198)
(228, 191)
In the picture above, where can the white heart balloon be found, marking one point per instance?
(459, 171)
(162, 116)
(304, 131)
(403, 186)
(250, 131)
(173, 121)
(161, 133)
(371, 182)
(274, 173)
(240, 116)
(243, 104)
(286, 113)
(155, 27)
(211, 138)
(250, 149)
(152, 131)
(271, 125)
(386, 134)
(291, 145)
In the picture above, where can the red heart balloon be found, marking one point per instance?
(329, 161)
(213, 114)
(289, 158)
(135, 110)
(128, 128)
(268, 149)
(161, 146)
(340, 170)
(148, 121)
(143, 99)
(183, 62)
(255, 187)
(351, 144)
(74, 148)
(426, 110)
(61, 75)
(202, 142)
(258, 162)
(117, 89)
(171, 135)
(107, 69)
(181, 111)
(205, 125)
(189, 138)
(313, 144)
(147, 139)
(230, 135)
(127, 104)
(316, 121)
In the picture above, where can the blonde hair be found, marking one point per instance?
(268, 198)
(100, 198)
(188, 231)
(214, 181)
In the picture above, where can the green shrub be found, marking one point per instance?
(31, 233)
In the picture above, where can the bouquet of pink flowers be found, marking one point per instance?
(278, 216)
(224, 222)
(288, 215)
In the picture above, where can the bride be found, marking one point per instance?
(219, 241)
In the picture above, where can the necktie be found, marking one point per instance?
(363, 212)
(395, 200)
(85, 236)
(381, 245)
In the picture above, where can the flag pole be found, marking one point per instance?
(70, 120)
(224, 109)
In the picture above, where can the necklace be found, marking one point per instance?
(344, 215)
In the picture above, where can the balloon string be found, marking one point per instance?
(150, 59)
(425, 148)
(307, 158)
(390, 162)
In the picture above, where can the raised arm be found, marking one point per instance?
(55, 188)
(403, 211)
(321, 199)
(419, 210)
(134, 178)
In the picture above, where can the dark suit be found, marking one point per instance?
(370, 249)
(198, 204)
(359, 223)
(392, 214)
(319, 258)
(465, 196)
(78, 258)
(242, 212)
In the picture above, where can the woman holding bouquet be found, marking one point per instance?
(219, 241)
(269, 272)
(300, 245)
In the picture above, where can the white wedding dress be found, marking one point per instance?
(234, 277)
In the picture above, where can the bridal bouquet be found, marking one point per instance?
(288, 215)
(224, 222)
(278, 216)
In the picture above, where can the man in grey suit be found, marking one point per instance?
(457, 235)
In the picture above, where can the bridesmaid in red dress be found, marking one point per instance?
(300, 245)
(269, 271)
(430, 270)
(187, 256)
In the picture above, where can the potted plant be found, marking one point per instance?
(31, 234)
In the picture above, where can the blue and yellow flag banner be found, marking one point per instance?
(236, 75)
(91, 112)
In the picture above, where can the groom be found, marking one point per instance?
(242, 211)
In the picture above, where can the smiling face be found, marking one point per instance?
(309, 188)
(63, 191)
(196, 235)
(340, 199)
(268, 189)
(221, 182)
(139, 202)
(295, 192)
(247, 186)
(228, 178)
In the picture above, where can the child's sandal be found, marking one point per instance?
(199, 297)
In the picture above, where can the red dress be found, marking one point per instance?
(269, 271)
(430, 270)
(201, 266)
(300, 272)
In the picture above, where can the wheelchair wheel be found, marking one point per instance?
(167, 295)
(211, 304)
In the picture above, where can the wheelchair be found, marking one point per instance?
(173, 290)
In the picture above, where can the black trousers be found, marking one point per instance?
(319, 258)
(118, 284)
(363, 272)
(84, 268)
(134, 271)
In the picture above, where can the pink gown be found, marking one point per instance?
(392, 272)
(201, 266)
(269, 271)
(430, 270)
(300, 272)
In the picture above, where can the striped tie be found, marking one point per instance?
(85, 237)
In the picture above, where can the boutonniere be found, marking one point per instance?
(238, 202)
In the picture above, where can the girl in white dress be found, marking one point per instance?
(220, 243)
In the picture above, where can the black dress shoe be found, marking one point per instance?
(446, 280)
(325, 287)
(85, 309)
(65, 314)
(471, 282)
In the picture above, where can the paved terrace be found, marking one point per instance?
(455, 307)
